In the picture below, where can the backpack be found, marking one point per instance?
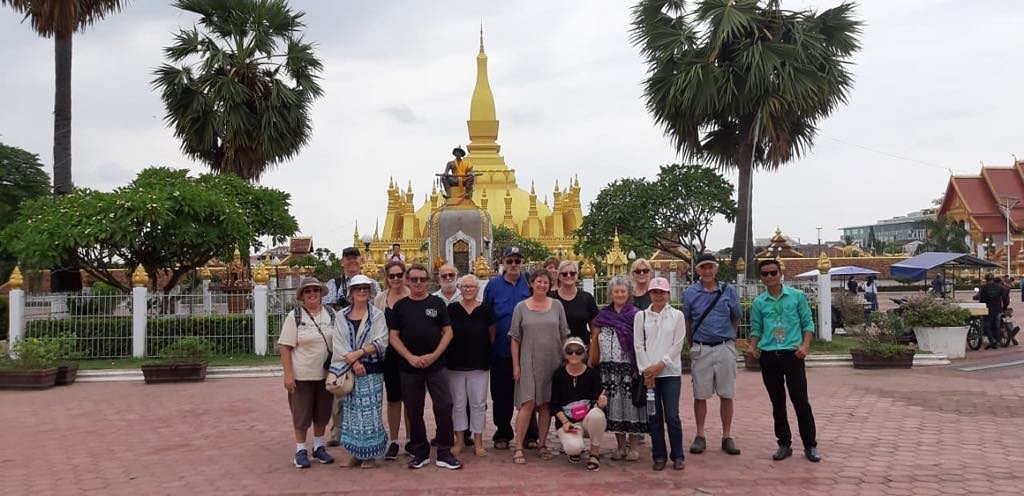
(298, 315)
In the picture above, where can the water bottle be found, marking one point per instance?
(650, 402)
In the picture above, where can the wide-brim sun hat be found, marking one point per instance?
(659, 283)
(361, 280)
(306, 282)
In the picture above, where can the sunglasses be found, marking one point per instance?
(396, 275)
(568, 274)
(769, 273)
(310, 290)
(642, 271)
(447, 276)
(513, 261)
(360, 288)
(418, 280)
(575, 351)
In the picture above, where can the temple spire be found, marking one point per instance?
(483, 121)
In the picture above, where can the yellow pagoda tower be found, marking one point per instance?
(496, 191)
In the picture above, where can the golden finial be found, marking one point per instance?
(141, 280)
(204, 273)
(260, 274)
(481, 36)
(588, 271)
(481, 268)
(824, 264)
(741, 266)
(15, 281)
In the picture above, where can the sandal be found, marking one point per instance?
(632, 455)
(575, 458)
(544, 453)
(531, 444)
(594, 463)
(620, 453)
(501, 445)
(518, 457)
(368, 464)
(479, 450)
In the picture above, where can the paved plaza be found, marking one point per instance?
(927, 431)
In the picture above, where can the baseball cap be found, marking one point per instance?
(512, 251)
(351, 251)
(659, 283)
(705, 258)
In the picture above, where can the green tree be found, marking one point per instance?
(240, 92)
(163, 221)
(325, 263)
(504, 237)
(61, 19)
(944, 234)
(743, 83)
(21, 178)
(673, 210)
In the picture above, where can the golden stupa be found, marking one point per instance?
(496, 190)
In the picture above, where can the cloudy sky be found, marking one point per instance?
(937, 92)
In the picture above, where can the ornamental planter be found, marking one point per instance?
(66, 373)
(863, 359)
(174, 372)
(28, 379)
(950, 341)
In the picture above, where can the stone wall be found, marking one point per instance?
(794, 266)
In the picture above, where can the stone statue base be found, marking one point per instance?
(459, 232)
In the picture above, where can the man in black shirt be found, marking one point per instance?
(420, 331)
(991, 295)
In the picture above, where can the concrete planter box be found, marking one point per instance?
(950, 341)
(28, 379)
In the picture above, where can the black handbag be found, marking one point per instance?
(637, 388)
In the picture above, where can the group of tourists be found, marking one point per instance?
(540, 346)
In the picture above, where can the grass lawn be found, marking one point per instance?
(215, 361)
(840, 345)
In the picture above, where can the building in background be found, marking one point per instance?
(903, 229)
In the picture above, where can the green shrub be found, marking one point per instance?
(881, 337)
(925, 310)
(850, 307)
(228, 334)
(4, 318)
(186, 350)
(32, 354)
(97, 337)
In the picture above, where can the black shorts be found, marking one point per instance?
(392, 379)
(310, 404)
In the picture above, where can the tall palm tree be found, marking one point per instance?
(240, 99)
(60, 19)
(743, 83)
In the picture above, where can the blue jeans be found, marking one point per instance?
(666, 412)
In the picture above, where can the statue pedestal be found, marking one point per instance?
(459, 232)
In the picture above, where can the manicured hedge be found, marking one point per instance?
(101, 337)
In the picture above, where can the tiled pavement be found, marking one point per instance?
(927, 431)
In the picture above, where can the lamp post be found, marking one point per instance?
(1007, 204)
(819, 240)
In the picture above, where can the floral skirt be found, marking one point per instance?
(362, 426)
(616, 374)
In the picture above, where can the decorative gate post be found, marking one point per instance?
(15, 310)
(824, 298)
(139, 310)
(259, 309)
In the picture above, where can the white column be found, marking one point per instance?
(139, 322)
(15, 317)
(674, 293)
(207, 298)
(825, 307)
(259, 318)
(741, 284)
(588, 285)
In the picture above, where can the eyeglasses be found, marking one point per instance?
(418, 280)
(447, 276)
(769, 273)
(513, 261)
(568, 274)
(310, 290)
(575, 351)
(642, 271)
(396, 275)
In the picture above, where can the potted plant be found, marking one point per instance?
(34, 365)
(752, 364)
(878, 347)
(181, 361)
(851, 311)
(939, 324)
(67, 366)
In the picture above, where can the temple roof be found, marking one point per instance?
(979, 197)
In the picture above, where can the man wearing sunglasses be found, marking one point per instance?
(503, 294)
(420, 331)
(446, 277)
(781, 329)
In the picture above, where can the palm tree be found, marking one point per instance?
(945, 234)
(60, 19)
(741, 84)
(239, 98)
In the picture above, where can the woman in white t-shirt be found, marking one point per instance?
(305, 343)
(871, 292)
